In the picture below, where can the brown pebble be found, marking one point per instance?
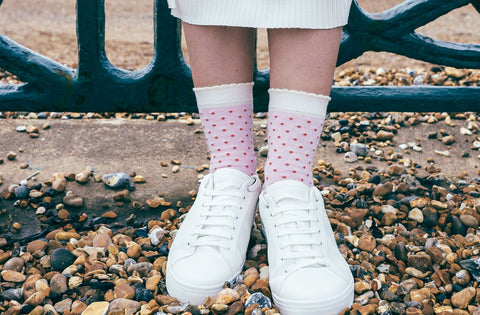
(109, 215)
(11, 156)
(367, 243)
(63, 214)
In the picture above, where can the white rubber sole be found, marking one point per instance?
(187, 293)
(331, 306)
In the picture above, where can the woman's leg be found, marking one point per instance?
(308, 275)
(210, 246)
(303, 59)
(219, 54)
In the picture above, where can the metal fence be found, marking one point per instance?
(165, 84)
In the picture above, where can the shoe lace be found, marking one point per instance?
(217, 223)
(299, 234)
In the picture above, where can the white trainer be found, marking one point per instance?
(210, 246)
(308, 275)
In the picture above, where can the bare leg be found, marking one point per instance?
(303, 59)
(220, 55)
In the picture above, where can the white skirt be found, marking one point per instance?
(312, 14)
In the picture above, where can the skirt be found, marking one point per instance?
(310, 14)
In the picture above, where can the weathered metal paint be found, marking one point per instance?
(165, 84)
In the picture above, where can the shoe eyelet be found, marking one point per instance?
(244, 197)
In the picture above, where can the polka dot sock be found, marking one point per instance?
(226, 112)
(295, 122)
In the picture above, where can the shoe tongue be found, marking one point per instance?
(289, 192)
(295, 195)
(229, 180)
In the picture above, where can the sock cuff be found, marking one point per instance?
(224, 95)
(298, 102)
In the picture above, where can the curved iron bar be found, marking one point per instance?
(394, 31)
(165, 83)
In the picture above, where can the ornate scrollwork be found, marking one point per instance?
(165, 83)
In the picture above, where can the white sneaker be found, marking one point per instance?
(210, 246)
(308, 275)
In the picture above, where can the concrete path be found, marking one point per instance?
(118, 145)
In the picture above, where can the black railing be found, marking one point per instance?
(164, 85)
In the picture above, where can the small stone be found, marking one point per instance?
(463, 277)
(11, 156)
(139, 179)
(73, 200)
(448, 140)
(463, 298)
(78, 307)
(14, 264)
(473, 266)
(420, 261)
(152, 282)
(33, 246)
(102, 240)
(12, 276)
(383, 135)
(469, 220)
(83, 177)
(21, 192)
(61, 258)
(21, 129)
(382, 190)
(350, 157)
(134, 250)
(59, 184)
(124, 291)
(219, 307)
(116, 180)
(58, 283)
(263, 151)
(416, 215)
(109, 215)
(96, 308)
(226, 296)
(124, 304)
(63, 214)
(156, 235)
(12, 294)
(359, 149)
(367, 242)
(362, 286)
(63, 306)
(260, 299)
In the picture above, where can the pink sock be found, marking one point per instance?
(295, 122)
(226, 112)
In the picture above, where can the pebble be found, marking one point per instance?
(383, 135)
(226, 296)
(96, 308)
(61, 258)
(59, 184)
(73, 200)
(260, 299)
(12, 276)
(463, 298)
(14, 264)
(21, 192)
(116, 180)
(350, 157)
(11, 156)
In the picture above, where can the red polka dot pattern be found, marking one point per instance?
(292, 137)
(222, 123)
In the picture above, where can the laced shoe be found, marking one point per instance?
(308, 275)
(210, 246)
